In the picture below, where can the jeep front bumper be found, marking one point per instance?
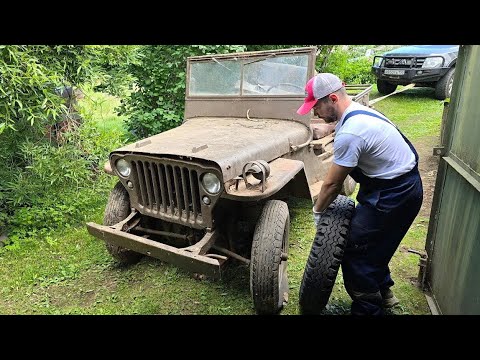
(193, 258)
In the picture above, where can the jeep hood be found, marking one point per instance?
(425, 50)
(228, 142)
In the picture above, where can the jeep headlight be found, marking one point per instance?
(211, 183)
(123, 167)
(432, 62)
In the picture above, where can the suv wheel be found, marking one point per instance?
(443, 89)
(268, 266)
(117, 209)
(326, 256)
(385, 87)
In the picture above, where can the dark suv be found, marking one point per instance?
(422, 65)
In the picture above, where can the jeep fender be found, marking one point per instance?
(284, 174)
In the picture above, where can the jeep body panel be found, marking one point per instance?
(227, 142)
(241, 132)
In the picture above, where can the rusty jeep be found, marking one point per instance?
(214, 189)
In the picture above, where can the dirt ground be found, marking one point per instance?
(428, 171)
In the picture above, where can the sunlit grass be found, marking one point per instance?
(418, 116)
(100, 109)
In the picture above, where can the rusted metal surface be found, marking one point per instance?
(272, 108)
(227, 142)
(281, 172)
(169, 189)
(359, 93)
(231, 254)
(186, 258)
(108, 168)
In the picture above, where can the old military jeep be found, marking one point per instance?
(214, 188)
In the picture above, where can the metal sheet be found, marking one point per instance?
(455, 262)
(229, 142)
(453, 240)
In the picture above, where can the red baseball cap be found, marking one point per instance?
(310, 100)
(318, 87)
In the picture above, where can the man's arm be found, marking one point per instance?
(331, 187)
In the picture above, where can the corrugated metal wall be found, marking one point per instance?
(453, 240)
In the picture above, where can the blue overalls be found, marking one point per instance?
(386, 209)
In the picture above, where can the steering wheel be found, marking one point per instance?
(285, 84)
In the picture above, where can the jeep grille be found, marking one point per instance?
(167, 190)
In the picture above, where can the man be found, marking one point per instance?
(370, 149)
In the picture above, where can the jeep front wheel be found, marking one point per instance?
(385, 88)
(326, 256)
(117, 209)
(268, 263)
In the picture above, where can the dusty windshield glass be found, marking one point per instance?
(270, 76)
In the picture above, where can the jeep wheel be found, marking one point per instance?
(326, 256)
(348, 186)
(443, 89)
(117, 209)
(268, 266)
(385, 87)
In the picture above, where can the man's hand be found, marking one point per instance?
(317, 216)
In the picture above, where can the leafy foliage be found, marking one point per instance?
(112, 64)
(350, 66)
(36, 169)
(26, 88)
(156, 103)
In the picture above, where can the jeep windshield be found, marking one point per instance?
(267, 75)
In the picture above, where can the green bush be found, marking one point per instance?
(35, 162)
(57, 185)
(157, 98)
(350, 68)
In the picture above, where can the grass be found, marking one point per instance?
(70, 272)
(100, 108)
(419, 114)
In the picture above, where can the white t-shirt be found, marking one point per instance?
(372, 144)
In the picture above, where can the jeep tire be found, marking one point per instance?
(326, 256)
(268, 262)
(443, 89)
(385, 88)
(117, 209)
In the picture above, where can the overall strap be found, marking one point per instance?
(364, 112)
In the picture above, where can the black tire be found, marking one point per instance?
(117, 209)
(326, 256)
(385, 88)
(268, 266)
(348, 187)
(443, 89)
